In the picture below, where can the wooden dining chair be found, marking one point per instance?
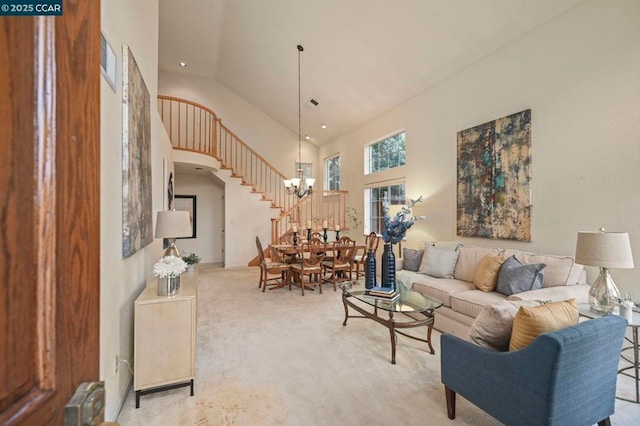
(312, 255)
(287, 238)
(371, 243)
(340, 264)
(318, 235)
(273, 272)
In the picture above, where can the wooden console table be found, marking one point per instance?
(165, 338)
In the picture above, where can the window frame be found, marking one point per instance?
(369, 204)
(327, 174)
(368, 157)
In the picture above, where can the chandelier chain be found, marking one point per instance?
(299, 186)
(299, 113)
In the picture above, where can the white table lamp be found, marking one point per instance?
(173, 224)
(605, 250)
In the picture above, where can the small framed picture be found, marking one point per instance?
(187, 203)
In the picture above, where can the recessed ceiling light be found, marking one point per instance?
(324, 126)
(307, 137)
(182, 64)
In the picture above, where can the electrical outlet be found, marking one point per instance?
(116, 365)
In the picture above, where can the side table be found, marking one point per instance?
(165, 337)
(633, 369)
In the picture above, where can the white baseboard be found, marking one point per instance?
(122, 401)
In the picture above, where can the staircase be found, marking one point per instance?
(196, 128)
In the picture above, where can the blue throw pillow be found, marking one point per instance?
(514, 277)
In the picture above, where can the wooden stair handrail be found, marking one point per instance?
(197, 128)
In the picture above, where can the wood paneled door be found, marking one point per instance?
(49, 210)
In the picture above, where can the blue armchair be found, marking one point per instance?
(566, 377)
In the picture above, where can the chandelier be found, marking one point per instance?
(300, 186)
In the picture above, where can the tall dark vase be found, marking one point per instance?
(370, 270)
(388, 266)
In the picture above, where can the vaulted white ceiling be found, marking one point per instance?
(361, 58)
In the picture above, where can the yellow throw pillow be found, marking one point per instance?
(530, 322)
(486, 277)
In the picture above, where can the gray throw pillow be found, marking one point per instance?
(514, 277)
(439, 263)
(412, 259)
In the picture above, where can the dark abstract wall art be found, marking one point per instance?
(494, 179)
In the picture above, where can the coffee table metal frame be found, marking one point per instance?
(420, 305)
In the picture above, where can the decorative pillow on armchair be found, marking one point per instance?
(529, 322)
(492, 327)
(515, 277)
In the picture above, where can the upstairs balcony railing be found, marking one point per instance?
(196, 128)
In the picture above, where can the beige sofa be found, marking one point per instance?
(462, 301)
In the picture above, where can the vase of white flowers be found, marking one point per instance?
(168, 270)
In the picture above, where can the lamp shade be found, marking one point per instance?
(604, 249)
(173, 224)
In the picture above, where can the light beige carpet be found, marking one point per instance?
(278, 358)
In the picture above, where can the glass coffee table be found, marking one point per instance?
(418, 308)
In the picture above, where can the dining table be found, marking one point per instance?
(291, 250)
(291, 253)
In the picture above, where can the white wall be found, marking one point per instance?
(121, 280)
(246, 216)
(580, 75)
(209, 192)
(277, 144)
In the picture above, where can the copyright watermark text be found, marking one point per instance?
(30, 7)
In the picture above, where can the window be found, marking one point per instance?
(386, 154)
(333, 173)
(375, 198)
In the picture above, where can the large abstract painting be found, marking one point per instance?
(137, 220)
(494, 179)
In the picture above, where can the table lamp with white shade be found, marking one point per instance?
(173, 224)
(605, 250)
